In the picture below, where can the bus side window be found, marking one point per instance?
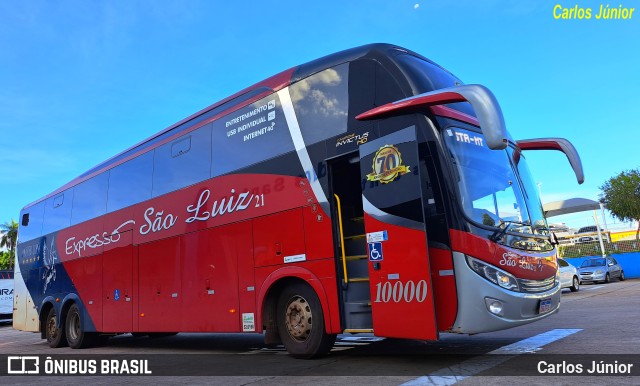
(32, 227)
(130, 182)
(250, 135)
(362, 89)
(321, 102)
(387, 88)
(57, 212)
(182, 162)
(90, 199)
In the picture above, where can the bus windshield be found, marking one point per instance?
(495, 186)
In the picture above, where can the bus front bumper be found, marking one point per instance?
(485, 307)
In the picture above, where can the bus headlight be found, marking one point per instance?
(493, 274)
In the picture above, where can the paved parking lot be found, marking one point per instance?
(598, 323)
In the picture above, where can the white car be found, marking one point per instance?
(568, 276)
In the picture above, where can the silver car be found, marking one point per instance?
(600, 269)
(568, 276)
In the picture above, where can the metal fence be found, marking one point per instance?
(592, 248)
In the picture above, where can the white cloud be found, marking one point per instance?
(320, 102)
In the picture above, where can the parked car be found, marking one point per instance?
(600, 269)
(591, 234)
(568, 276)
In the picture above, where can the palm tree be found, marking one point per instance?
(9, 237)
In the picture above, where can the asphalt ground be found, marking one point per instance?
(599, 324)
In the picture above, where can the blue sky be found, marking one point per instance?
(81, 81)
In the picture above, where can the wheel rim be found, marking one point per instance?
(74, 326)
(52, 330)
(298, 318)
(576, 284)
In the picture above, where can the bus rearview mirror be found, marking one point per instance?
(484, 103)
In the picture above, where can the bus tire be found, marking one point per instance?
(301, 322)
(76, 337)
(55, 335)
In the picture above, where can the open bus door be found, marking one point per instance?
(402, 298)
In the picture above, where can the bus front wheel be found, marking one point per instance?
(54, 334)
(301, 323)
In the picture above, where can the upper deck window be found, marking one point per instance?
(130, 182)
(57, 212)
(252, 134)
(321, 102)
(90, 199)
(182, 162)
(33, 228)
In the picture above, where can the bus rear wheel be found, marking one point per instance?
(54, 334)
(301, 323)
(76, 336)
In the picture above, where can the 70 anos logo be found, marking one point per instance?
(387, 165)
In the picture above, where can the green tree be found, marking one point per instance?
(9, 238)
(621, 195)
(6, 260)
(487, 220)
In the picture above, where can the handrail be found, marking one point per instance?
(344, 258)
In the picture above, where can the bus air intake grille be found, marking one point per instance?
(537, 285)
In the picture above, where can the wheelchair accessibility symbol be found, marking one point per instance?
(375, 251)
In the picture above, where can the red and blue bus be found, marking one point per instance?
(366, 191)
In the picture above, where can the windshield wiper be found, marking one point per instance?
(503, 227)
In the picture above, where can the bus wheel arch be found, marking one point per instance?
(44, 313)
(301, 323)
(270, 290)
(269, 308)
(273, 313)
(270, 305)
